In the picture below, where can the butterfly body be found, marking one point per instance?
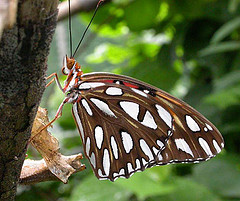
(127, 125)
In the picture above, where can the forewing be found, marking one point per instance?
(193, 139)
(116, 142)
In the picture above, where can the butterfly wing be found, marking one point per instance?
(127, 125)
(185, 147)
(107, 125)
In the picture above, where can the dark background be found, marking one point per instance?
(187, 48)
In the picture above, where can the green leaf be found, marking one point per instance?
(160, 68)
(225, 30)
(227, 80)
(198, 9)
(114, 54)
(148, 183)
(220, 48)
(236, 62)
(225, 98)
(233, 6)
(91, 189)
(189, 190)
(141, 14)
(226, 88)
(196, 99)
(221, 175)
(164, 77)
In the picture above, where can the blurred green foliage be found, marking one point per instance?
(188, 48)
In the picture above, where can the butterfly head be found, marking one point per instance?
(70, 65)
(72, 69)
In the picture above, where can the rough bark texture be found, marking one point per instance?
(23, 56)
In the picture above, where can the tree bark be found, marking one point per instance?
(23, 63)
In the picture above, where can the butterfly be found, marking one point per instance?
(127, 125)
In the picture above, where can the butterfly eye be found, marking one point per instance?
(64, 71)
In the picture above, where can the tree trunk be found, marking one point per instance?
(23, 63)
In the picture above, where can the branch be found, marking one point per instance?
(76, 6)
(54, 165)
(35, 171)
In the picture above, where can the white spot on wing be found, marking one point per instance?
(144, 162)
(182, 145)
(103, 178)
(100, 173)
(99, 136)
(140, 92)
(192, 124)
(127, 142)
(132, 109)
(205, 146)
(130, 168)
(160, 144)
(84, 86)
(90, 85)
(149, 121)
(122, 172)
(88, 145)
(205, 129)
(114, 147)
(138, 165)
(209, 127)
(87, 107)
(145, 148)
(93, 160)
(160, 158)
(103, 107)
(165, 115)
(106, 162)
(114, 91)
(79, 123)
(216, 146)
(155, 151)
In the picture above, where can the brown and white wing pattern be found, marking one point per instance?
(192, 141)
(127, 125)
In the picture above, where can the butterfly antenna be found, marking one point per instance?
(84, 33)
(70, 25)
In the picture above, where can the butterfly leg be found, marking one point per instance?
(58, 114)
(54, 79)
(59, 111)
